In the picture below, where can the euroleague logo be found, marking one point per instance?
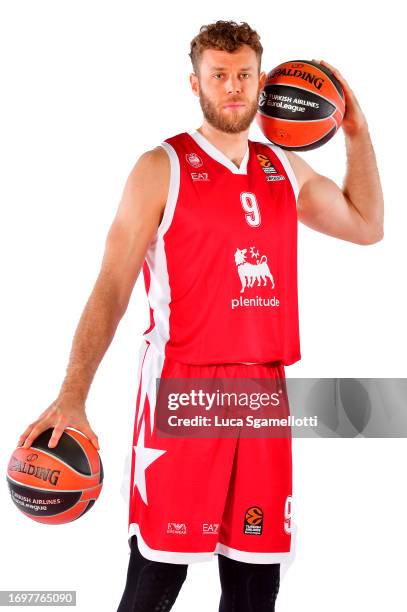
(253, 521)
(269, 169)
(262, 98)
(266, 164)
(194, 160)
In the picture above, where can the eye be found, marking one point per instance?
(245, 75)
(218, 76)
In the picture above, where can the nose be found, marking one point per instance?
(233, 85)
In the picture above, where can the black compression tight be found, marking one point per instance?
(248, 587)
(153, 586)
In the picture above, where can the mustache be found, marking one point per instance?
(235, 100)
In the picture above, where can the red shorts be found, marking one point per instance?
(191, 498)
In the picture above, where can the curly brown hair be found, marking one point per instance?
(225, 36)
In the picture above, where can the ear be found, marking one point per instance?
(262, 79)
(193, 79)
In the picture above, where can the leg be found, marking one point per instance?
(151, 586)
(248, 587)
(256, 522)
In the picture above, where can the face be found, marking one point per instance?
(228, 86)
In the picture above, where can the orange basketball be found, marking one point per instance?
(55, 485)
(301, 105)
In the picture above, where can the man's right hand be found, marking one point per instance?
(63, 412)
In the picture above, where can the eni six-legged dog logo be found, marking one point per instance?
(252, 271)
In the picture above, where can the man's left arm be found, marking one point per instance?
(355, 212)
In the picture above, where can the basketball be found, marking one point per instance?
(301, 105)
(55, 485)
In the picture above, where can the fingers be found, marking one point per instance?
(83, 427)
(89, 433)
(37, 427)
(33, 432)
(86, 429)
(40, 424)
(57, 433)
(29, 434)
(335, 72)
(325, 63)
(25, 434)
(95, 441)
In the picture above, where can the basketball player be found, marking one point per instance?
(199, 215)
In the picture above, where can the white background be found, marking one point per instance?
(86, 87)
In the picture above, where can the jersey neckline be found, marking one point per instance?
(218, 155)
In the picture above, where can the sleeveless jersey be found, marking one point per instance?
(221, 272)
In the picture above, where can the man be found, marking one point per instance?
(217, 243)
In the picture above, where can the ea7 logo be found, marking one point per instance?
(199, 176)
(210, 528)
(176, 528)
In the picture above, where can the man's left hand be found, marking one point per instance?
(354, 120)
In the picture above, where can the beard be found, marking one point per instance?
(230, 122)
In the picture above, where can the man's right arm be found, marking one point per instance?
(137, 218)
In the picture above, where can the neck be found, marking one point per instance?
(234, 146)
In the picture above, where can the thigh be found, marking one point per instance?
(170, 510)
(256, 525)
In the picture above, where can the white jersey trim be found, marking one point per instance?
(218, 155)
(173, 189)
(159, 292)
(287, 167)
(125, 483)
(285, 558)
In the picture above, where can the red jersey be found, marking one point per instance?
(221, 272)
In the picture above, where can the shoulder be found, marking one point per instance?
(161, 157)
(153, 160)
(149, 177)
(303, 171)
(152, 164)
(151, 173)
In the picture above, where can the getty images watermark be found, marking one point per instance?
(225, 407)
(275, 407)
